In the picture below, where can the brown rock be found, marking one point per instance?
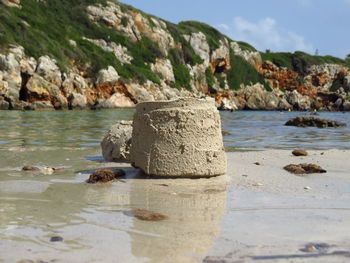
(145, 215)
(304, 168)
(257, 163)
(313, 122)
(300, 153)
(105, 175)
(30, 168)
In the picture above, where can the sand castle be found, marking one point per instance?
(180, 138)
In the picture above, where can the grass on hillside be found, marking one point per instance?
(213, 35)
(242, 72)
(45, 28)
(300, 61)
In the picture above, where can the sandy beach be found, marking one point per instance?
(254, 213)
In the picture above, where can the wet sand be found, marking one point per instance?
(255, 213)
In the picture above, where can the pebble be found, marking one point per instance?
(300, 153)
(56, 239)
(257, 163)
(30, 168)
(307, 188)
(146, 215)
(313, 247)
(258, 184)
(105, 175)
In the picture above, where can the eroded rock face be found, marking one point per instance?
(48, 69)
(12, 3)
(180, 138)
(200, 45)
(117, 142)
(108, 75)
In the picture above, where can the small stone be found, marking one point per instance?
(307, 188)
(30, 168)
(244, 175)
(257, 163)
(105, 175)
(258, 184)
(313, 247)
(225, 133)
(59, 169)
(47, 170)
(300, 153)
(165, 185)
(304, 168)
(145, 215)
(56, 239)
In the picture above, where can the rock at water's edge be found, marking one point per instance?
(117, 142)
(313, 122)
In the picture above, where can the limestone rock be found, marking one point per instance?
(171, 139)
(164, 67)
(298, 101)
(200, 46)
(117, 142)
(38, 89)
(118, 50)
(48, 69)
(77, 101)
(11, 73)
(112, 15)
(346, 105)
(313, 122)
(12, 3)
(140, 92)
(28, 66)
(117, 100)
(4, 105)
(108, 75)
(253, 58)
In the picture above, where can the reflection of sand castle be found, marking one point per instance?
(195, 209)
(178, 138)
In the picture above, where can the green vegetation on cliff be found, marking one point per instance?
(45, 28)
(242, 72)
(61, 29)
(300, 61)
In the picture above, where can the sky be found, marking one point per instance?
(277, 25)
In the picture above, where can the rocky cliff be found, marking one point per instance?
(105, 54)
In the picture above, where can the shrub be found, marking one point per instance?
(243, 73)
(181, 72)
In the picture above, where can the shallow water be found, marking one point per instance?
(246, 129)
(205, 215)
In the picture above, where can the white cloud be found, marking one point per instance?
(265, 34)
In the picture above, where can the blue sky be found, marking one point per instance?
(278, 25)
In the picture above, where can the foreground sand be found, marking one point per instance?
(255, 213)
